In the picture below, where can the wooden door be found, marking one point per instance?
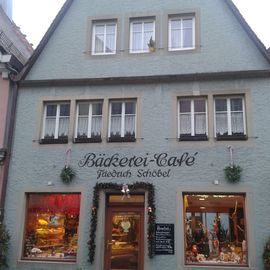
(124, 238)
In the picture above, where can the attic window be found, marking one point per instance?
(104, 38)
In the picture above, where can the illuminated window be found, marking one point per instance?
(215, 229)
(51, 227)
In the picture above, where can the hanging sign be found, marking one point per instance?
(146, 166)
(164, 239)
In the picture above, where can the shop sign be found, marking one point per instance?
(146, 166)
(164, 239)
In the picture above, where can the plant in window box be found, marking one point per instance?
(152, 45)
(130, 136)
(266, 256)
(4, 242)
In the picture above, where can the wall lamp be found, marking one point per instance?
(3, 154)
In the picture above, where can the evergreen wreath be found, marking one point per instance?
(67, 174)
(151, 214)
(266, 255)
(4, 242)
(233, 173)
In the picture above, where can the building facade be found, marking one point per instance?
(133, 125)
(14, 52)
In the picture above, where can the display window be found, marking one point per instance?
(51, 226)
(215, 229)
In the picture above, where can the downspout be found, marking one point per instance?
(8, 137)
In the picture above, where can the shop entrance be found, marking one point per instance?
(124, 236)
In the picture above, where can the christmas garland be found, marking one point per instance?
(233, 173)
(151, 210)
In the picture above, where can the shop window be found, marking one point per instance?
(55, 123)
(192, 120)
(89, 122)
(104, 38)
(230, 122)
(142, 33)
(215, 229)
(181, 33)
(51, 226)
(122, 124)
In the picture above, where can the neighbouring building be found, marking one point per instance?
(14, 52)
(141, 140)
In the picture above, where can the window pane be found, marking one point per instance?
(64, 110)
(84, 109)
(115, 126)
(137, 42)
(82, 126)
(175, 24)
(187, 23)
(221, 105)
(99, 43)
(116, 108)
(129, 125)
(149, 27)
(175, 39)
(200, 123)
(215, 229)
(237, 123)
(110, 29)
(146, 39)
(51, 110)
(51, 230)
(236, 104)
(49, 127)
(100, 29)
(185, 105)
(63, 126)
(130, 108)
(199, 105)
(185, 124)
(187, 38)
(97, 108)
(110, 43)
(221, 124)
(96, 126)
(137, 27)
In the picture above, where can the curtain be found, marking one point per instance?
(130, 124)
(221, 123)
(96, 126)
(185, 124)
(116, 125)
(63, 126)
(200, 123)
(237, 122)
(82, 126)
(49, 127)
(187, 38)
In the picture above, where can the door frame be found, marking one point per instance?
(131, 207)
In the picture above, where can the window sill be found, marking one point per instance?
(122, 139)
(193, 138)
(44, 261)
(235, 137)
(54, 141)
(88, 140)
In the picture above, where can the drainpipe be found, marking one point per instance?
(8, 137)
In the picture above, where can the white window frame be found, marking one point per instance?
(192, 115)
(181, 48)
(56, 129)
(123, 102)
(143, 21)
(229, 114)
(103, 23)
(90, 116)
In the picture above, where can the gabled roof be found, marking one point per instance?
(68, 3)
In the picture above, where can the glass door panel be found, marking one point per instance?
(124, 241)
